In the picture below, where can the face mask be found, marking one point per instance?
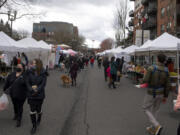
(18, 70)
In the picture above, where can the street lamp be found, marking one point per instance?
(12, 17)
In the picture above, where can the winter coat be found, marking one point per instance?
(106, 64)
(157, 78)
(17, 86)
(108, 72)
(73, 70)
(34, 79)
(113, 68)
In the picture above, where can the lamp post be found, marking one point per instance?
(11, 18)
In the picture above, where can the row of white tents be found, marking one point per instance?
(164, 43)
(32, 48)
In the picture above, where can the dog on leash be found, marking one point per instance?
(66, 81)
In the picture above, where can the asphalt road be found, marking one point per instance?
(91, 108)
(56, 108)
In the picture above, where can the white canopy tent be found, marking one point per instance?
(144, 47)
(44, 45)
(165, 42)
(8, 44)
(31, 44)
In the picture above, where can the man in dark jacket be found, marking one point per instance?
(157, 78)
(16, 87)
(105, 65)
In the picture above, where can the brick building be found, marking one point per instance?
(157, 16)
(46, 30)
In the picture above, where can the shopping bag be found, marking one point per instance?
(118, 73)
(3, 102)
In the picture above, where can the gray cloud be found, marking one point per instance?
(70, 2)
(94, 18)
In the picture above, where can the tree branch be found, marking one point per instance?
(3, 3)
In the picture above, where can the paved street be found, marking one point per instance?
(91, 109)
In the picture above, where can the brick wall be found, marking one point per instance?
(169, 18)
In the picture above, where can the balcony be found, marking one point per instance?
(131, 13)
(131, 23)
(152, 22)
(152, 8)
(144, 2)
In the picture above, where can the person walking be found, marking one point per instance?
(105, 65)
(73, 71)
(36, 82)
(15, 86)
(118, 63)
(99, 60)
(113, 72)
(158, 81)
(92, 62)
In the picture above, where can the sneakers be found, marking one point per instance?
(154, 131)
(158, 130)
(151, 130)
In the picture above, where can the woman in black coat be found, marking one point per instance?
(36, 82)
(15, 85)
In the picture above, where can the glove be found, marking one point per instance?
(138, 86)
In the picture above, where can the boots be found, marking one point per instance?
(39, 119)
(33, 120)
(18, 123)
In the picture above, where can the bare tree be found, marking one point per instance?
(63, 38)
(120, 20)
(2, 3)
(23, 33)
(107, 44)
(22, 7)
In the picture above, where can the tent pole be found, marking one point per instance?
(178, 64)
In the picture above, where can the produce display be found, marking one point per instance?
(173, 73)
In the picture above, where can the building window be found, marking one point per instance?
(168, 10)
(162, 12)
(162, 28)
(169, 27)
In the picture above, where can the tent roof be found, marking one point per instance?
(165, 42)
(8, 44)
(130, 49)
(145, 46)
(44, 45)
(29, 42)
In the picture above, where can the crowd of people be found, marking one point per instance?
(27, 82)
(29, 79)
(72, 65)
(113, 69)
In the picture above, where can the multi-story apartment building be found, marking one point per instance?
(46, 30)
(157, 16)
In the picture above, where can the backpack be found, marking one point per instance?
(156, 88)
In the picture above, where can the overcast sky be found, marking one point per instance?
(94, 18)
